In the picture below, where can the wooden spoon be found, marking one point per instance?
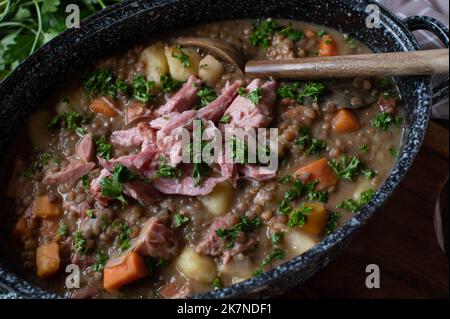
(424, 62)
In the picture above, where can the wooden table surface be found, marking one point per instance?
(400, 239)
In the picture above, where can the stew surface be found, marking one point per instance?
(96, 182)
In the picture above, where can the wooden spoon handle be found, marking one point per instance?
(423, 62)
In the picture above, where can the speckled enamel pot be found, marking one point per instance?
(122, 24)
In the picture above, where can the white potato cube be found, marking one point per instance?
(155, 62)
(195, 266)
(238, 267)
(183, 62)
(210, 70)
(297, 242)
(218, 202)
(362, 186)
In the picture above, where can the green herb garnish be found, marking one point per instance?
(180, 220)
(353, 205)
(80, 242)
(206, 96)
(277, 253)
(104, 149)
(332, 222)
(299, 216)
(100, 261)
(244, 225)
(346, 167)
(142, 89)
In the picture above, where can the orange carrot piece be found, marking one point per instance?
(345, 122)
(47, 260)
(319, 171)
(131, 269)
(317, 219)
(43, 208)
(103, 106)
(21, 229)
(327, 46)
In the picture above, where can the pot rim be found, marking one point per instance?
(22, 288)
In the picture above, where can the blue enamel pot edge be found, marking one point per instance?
(127, 22)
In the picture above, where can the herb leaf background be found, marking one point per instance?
(26, 25)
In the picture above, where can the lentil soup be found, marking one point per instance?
(100, 184)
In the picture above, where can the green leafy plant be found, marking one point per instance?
(26, 25)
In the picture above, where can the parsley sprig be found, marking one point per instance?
(111, 186)
(244, 225)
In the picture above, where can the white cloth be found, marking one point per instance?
(438, 9)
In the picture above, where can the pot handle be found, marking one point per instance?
(414, 23)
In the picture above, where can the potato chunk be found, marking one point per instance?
(297, 242)
(238, 267)
(317, 219)
(197, 267)
(47, 260)
(183, 62)
(218, 202)
(155, 62)
(43, 208)
(210, 70)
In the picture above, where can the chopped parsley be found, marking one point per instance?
(63, 230)
(332, 222)
(104, 149)
(142, 89)
(346, 167)
(254, 96)
(276, 238)
(168, 84)
(384, 120)
(369, 173)
(277, 254)
(313, 90)
(292, 91)
(100, 261)
(80, 242)
(90, 213)
(42, 161)
(328, 41)
(104, 83)
(168, 171)
(85, 182)
(199, 171)
(292, 34)
(313, 195)
(225, 119)
(263, 32)
(216, 284)
(206, 96)
(182, 57)
(72, 120)
(394, 151)
(320, 33)
(364, 148)
(284, 208)
(350, 42)
(244, 225)
(180, 220)
(124, 240)
(353, 205)
(285, 179)
(310, 145)
(111, 186)
(299, 216)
